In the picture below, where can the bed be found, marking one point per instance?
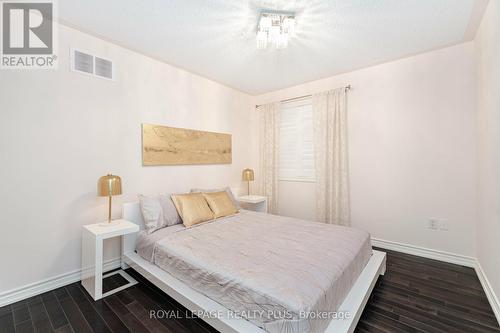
(256, 272)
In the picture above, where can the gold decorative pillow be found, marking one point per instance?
(193, 208)
(220, 203)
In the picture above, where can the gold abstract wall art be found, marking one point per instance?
(162, 145)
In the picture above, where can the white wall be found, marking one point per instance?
(412, 144)
(60, 131)
(297, 199)
(412, 140)
(488, 55)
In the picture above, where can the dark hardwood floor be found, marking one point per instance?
(423, 295)
(415, 295)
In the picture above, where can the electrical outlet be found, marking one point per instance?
(433, 224)
(437, 224)
(443, 225)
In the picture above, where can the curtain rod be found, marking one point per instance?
(347, 88)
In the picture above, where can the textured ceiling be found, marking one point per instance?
(216, 38)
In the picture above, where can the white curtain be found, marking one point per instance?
(269, 118)
(331, 156)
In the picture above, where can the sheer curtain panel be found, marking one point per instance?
(331, 156)
(268, 181)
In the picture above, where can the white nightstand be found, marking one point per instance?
(93, 236)
(256, 203)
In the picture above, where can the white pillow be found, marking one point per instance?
(158, 212)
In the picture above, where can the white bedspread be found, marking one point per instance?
(280, 273)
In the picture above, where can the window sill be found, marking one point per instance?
(289, 180)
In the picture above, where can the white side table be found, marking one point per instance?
(256, 203)
(93, 236)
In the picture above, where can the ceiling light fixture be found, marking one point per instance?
(274, 28)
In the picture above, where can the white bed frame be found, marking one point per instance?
(354, 303)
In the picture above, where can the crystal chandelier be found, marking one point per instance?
(274, 28)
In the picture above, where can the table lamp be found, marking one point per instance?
(108, 186)
(248, 176)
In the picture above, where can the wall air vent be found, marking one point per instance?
(103, 68)
(91, 65)
(83, 62)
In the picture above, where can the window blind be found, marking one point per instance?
(296, 141)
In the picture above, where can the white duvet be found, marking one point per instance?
(280, 273)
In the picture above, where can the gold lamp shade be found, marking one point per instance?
(108, 186)
(248, 176)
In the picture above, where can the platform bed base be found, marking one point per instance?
(196, 302)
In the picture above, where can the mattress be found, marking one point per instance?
(282, 274)
(146, 243)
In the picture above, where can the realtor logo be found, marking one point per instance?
(28, 35)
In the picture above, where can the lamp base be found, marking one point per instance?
(109, 224)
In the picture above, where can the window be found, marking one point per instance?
(296, 141)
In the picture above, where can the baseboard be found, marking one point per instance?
(492, 297)
(452, 258)
(33, 289)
